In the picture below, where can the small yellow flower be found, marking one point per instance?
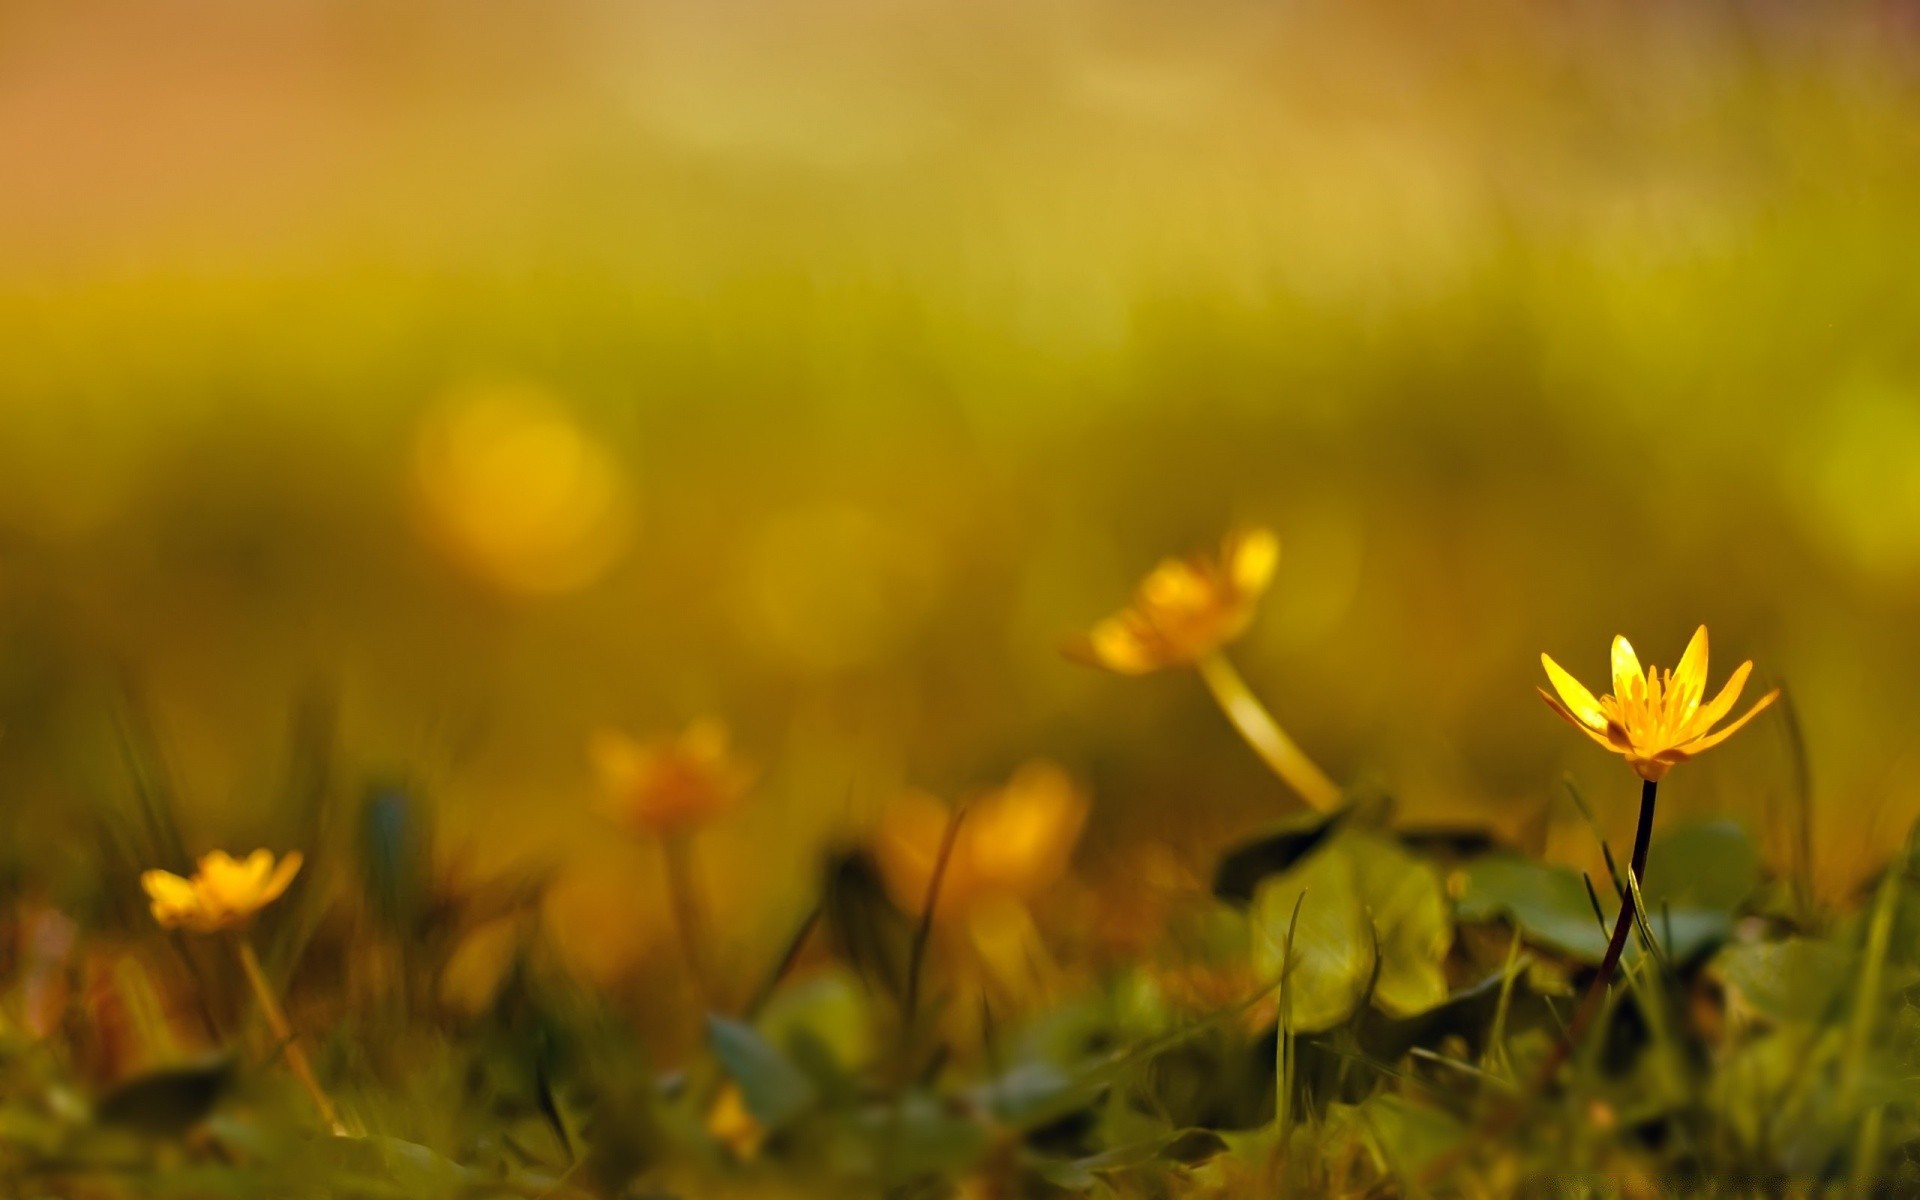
(224, 892)
(1186, 608)
(1654, 718)
(672, 784)
(730, 1123)
(1013, 842)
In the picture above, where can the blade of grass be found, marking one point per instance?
(1283, 1050)
(1495, 1055)
(788, 956)
(1860, 1026)
(1801, 843)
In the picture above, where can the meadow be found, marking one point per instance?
(898, 599)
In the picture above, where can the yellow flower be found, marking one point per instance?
(224, 892)
(1654, 718)
(672, 784)
(730, 1123)
(1013, 842)
(520, 494)
(1186, 608)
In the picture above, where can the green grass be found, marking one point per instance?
(1750, 1047)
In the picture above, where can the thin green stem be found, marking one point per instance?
(1494, 1060)
(1282, 1162)
(689, 920)
(1264, 734)
(283, 1035)
(1867, 997)
(1590, 1007)
(1617, 944)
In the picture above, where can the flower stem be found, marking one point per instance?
(689, 918)
(1511, 1114)
(1617, 944)
(1264, 734)
(283, 1035)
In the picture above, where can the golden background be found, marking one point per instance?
(496, 372)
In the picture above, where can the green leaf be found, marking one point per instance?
(1548, 903)
(1408, 906)
(1185, 1146)
(1033, 1093)
(1371, 916)
(1710, 865)
(1272, 851)
(1798, 979)
(1406, 1134)
(380, 1165)
(919, 1135)
(831, 1009)
(169, 1101)
(775, 1090)
(1551, 907)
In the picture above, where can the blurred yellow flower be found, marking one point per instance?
(1186, 608)
(224, 892)
(668, 785)
(1654, 718)
(1014, 842)
(518, 492)
(730, 1123)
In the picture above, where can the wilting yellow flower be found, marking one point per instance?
(1186, 608)
(1654, 718)
(1013, 842)
(224, 892)
(670, 784)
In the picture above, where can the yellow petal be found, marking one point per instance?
(1020, 837)
(259, 866)
(1174, 584)
(1570, 719)
(215, 862)
(907, 845)
(617, 759)
(1705, 718)
(1252, 558)
(1626, 669)
(1118, 647)
(1580, 701)
(281, 877)
(1700, 745)
(166, 887)
(1690, 677)
(233, 885)
(705, 741)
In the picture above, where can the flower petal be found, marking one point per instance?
(705, 741)
(1174, 583)
(1711, 740)
(1705, 718)
(231, 885)
(1626, 669)
(281, 877)
(1570, 719)
(1250, 560)
(1580, 701)
(1119, 647)
(1690, 677)
(166, 886)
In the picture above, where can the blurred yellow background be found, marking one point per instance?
(504, 371)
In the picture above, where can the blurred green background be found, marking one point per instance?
(499, 371)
